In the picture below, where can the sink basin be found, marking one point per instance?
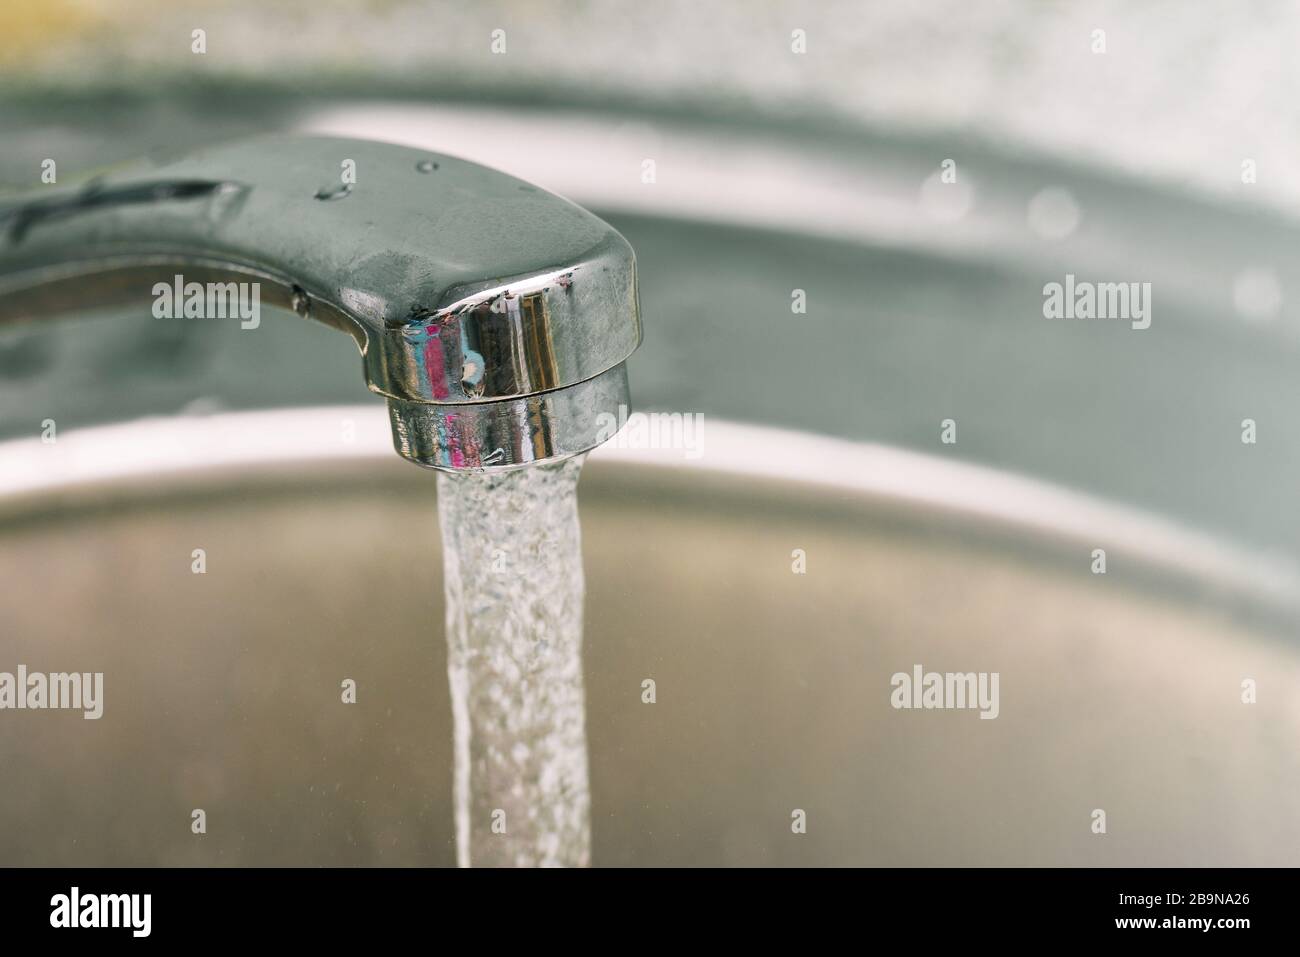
(1119, 692)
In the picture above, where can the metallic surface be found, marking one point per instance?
(221, 690)
(511, 432)
(461, 285)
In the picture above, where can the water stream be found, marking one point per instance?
(513, 571)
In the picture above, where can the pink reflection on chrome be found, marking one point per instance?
(435, 365)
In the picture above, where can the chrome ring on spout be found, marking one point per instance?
(510, 433)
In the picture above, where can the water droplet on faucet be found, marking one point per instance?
(334, 192)
(300, 302)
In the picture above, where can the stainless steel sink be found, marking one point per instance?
(1120, 692)
(222, 690)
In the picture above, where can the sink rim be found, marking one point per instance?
(102, 462)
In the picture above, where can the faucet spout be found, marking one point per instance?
(495, 317)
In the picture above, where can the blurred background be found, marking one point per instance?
(796, 148)
(1102, 139)
(1180, 96)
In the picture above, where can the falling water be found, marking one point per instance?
(513, 567)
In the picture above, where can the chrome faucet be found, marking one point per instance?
(495, 317)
